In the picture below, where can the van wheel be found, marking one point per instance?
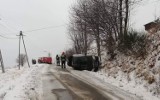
(90, 69)
(96, 69)
(74, 68)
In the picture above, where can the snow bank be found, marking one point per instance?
(100, 81)
(136, 75)
(23, 84)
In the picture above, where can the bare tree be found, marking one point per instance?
(70, 52)
(105, 20)
(22, 59)
(120, 19)
(88, 13)
(91, 19)
(74, 37)
(79, 30)
(126, 16)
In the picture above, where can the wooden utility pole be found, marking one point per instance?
(1, 60)
(21, 36)
(25, 51)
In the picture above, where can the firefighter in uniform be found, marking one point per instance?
(63, 60)
(58, 60)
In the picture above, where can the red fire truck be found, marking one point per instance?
(47, 60)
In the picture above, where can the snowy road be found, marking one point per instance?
(65, 85)
(52, 88)
(49, 82)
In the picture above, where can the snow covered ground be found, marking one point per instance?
(118, 85)
(26, 84)
(23, 84)
(132, 86)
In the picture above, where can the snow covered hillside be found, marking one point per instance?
(24, 84)
(136, 75)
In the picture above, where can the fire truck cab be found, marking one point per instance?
(47, 60)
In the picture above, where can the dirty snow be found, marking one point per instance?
(134, 87)
(26, 84)
(118, 85)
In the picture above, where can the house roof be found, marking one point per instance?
(150, 25)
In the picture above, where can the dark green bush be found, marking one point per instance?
(134, 44)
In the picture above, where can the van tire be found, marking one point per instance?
(90, 69)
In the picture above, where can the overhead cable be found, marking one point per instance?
(7, 37)
(44, 28)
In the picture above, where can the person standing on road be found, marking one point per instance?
(63, 60)
(58, 60)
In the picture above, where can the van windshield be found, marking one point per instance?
(80, 60)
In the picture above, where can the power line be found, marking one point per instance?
(6, 27)
(2, 30)
(44, 28)
(10, 27)
(7, 37)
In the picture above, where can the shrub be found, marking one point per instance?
(134, 43)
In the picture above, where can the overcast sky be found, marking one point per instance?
(27, 15)
(144, 13)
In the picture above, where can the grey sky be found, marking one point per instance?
(145, 13)
(28, 15)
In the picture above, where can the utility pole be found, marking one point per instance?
(21, 36)
(25, 51)
(1, 60)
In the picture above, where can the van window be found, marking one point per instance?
(80, 60)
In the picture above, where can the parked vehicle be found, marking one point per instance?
(82, 62)
(33, 61)
(47, 60)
